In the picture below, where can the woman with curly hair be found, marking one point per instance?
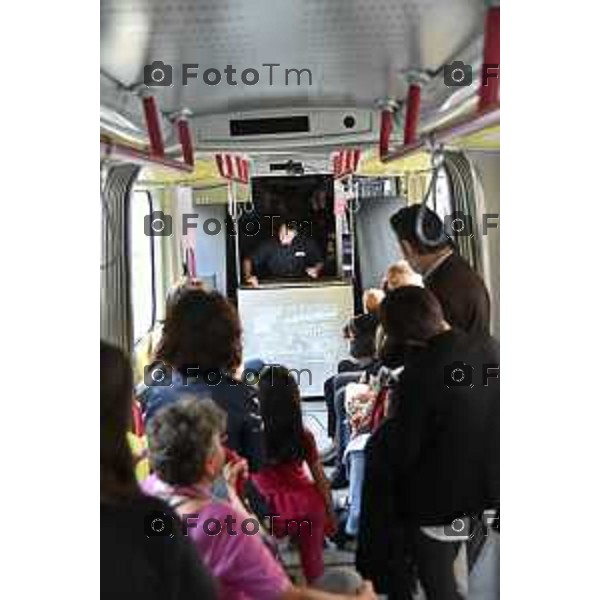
(198, 354)
(187, 456)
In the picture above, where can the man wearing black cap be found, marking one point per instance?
(460, 290)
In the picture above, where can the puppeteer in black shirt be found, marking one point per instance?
(275, 260)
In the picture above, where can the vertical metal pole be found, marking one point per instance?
(489, 92)
(355, 159)
(337, 159)
(157, 147)
(185, 139)
(229, 166)
(231, 190)
(355, 200)
(413, 106)
(340, 219)
(219, 161)
(385, 132)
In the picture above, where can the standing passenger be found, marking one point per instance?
(460, 290)
(437, 457)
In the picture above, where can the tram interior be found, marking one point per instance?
(383, 130)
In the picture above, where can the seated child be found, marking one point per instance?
(361, 331)
(292, 480)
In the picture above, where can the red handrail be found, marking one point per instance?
(487, 115)
(155, 155)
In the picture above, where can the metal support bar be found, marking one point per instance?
(233, 168)
(157, 147)
(413, 107)
(185, 139)
(229, 166)
(219, 159)
(386, 126)
(110, 148)
(465, 126)
(487, 115)
(489, 92)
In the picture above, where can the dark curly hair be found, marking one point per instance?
(202, 330)
(180, 439)
(282, 415)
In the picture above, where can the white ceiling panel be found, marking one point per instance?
(357, 50)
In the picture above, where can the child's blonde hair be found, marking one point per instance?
(372, 299)
(400, 274)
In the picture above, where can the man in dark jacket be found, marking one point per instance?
(430, 252)
(436, 457)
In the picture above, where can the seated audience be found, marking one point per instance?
(198, 354)
(388, 355)
(436, 457)
(361, 330)
(144, 348)
(290, 450)
(366, 406)
(133, 565)
(459, 289)
(187, 455)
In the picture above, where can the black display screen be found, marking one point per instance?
(239, 127)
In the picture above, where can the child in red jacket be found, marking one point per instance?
(292, 480)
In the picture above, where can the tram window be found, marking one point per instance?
(144, 262)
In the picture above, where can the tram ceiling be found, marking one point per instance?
(303, 54)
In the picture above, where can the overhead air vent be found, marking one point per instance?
(269, 126)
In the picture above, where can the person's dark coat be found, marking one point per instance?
(462, 294)
(437, 456)
(273, 259)
(134, 563)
